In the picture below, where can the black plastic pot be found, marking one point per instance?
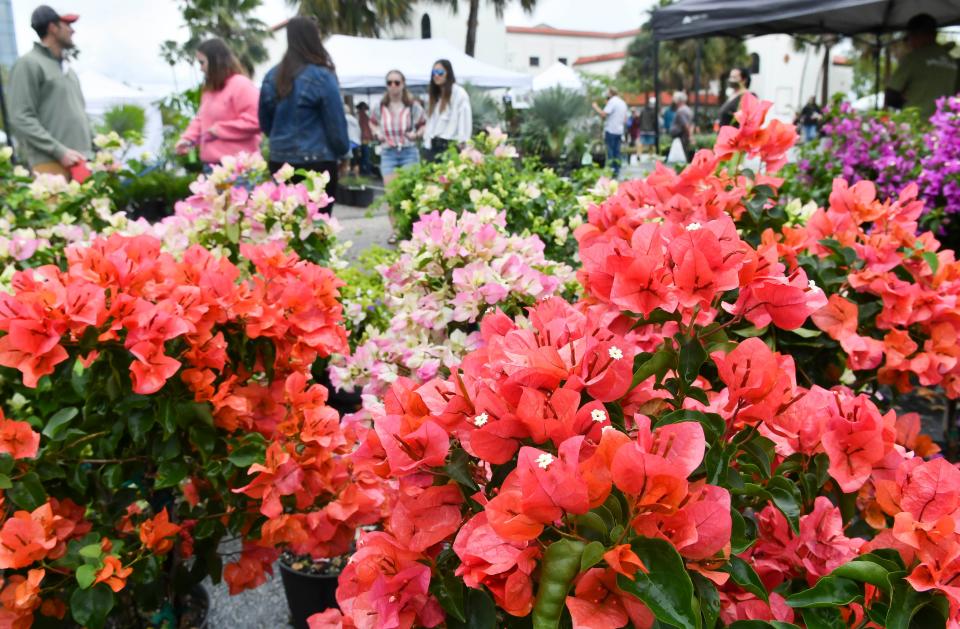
(307, 594)
(362, 197)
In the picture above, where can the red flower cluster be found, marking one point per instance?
(916, 283)
(543, 384)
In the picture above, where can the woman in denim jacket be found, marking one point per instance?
(301, 110)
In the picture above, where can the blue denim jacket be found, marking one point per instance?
(308, 125)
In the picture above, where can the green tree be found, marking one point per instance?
(678, 60)
(473, 11)
(231, 21)
(365, 18)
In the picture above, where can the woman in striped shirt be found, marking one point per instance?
(398, 125)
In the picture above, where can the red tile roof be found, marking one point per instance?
(610, 56)
(549, 30)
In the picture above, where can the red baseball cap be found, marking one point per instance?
(44, 15)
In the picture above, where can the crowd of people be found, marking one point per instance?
(311, 125)
(298, 107)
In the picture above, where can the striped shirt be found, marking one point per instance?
(394, 125)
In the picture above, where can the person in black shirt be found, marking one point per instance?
(739, 83)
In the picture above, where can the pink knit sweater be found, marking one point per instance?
(233, 112)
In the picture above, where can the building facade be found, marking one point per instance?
(532, 49)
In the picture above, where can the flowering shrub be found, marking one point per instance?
(883, 147)
(239, 203)
(486, 174)
(448, 274)
(625, 461)
(155, 405)
(40, 216)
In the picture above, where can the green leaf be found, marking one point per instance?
(750, 332)
(58, 422)
(692, 357)
(822, 618)
(5, 482)
(761, 624)
(481, 611)
(932, 260)
(86, 575)
(827, 592)
(27, 493)
(90, 607)
(592, 555)
(458, 468)
(905, 602)
(864, 571)
(139, 423)
(91, 551)
(658, 364)
(449, 592)
(804, 333)
(666, 589)
(746, 577)
(739, 541)
(112, 476)
(593, 522)
(709, 599)
(786, 497)
(170, 473)
(246, 455)
(713, 424)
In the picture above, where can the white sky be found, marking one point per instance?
(121, 38)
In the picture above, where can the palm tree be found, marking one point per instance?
(230, 20)
(474, 10)
(365, 18)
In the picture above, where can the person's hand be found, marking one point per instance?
(213, 131)
(182, 147)
(411, 135)
(71, 157)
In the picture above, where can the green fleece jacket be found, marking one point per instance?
(47, 109)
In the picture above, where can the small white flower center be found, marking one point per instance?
(544, 460)
(615, 353)
(813, 285)
(606, 428)
(480, 420)
(598, 416)
(692, 227)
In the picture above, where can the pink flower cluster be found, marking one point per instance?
(450, 272)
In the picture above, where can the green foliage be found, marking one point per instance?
(364, 18)
(678, 60)
(128, 121)
(362, 296)
(486, 111)
(536, 199)
(554, 115)
(230, 20)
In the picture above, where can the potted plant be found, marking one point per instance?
(354, 191)
(310, 586)
(148, 400)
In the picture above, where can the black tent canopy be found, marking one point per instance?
(688, 19)
(698, 18)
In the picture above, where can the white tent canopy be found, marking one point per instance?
(102, 93)
(558, 75)
(362, 63)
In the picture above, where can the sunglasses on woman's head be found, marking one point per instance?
(439, 72)
(392, 82)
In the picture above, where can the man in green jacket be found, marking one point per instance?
(926, 73)
(47, 112)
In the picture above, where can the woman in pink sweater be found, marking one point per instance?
(227, 122)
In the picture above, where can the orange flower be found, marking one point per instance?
(24, 540)
(18, 439)
(622, 559)
(157, 533)
(113, 573)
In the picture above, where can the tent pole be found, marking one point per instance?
(696, 81)
(876, 96)
(656, 95)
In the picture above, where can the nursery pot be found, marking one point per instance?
(307, 594)
(362, 197)
(344, 195)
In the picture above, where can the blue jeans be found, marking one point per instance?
(809, 132)
(391, 158)
(612, 140)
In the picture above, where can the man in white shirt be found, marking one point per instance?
(614, 115)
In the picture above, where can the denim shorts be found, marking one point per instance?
(392, 159)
